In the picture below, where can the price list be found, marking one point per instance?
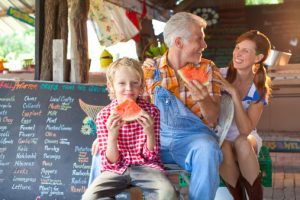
(43, 152)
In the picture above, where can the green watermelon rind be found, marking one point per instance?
(129, 119)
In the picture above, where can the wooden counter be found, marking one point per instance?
(283, 112)
(22, 75)
(285, 75)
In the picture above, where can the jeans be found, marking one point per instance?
(95, 168)
(153, 182)
(188, 142)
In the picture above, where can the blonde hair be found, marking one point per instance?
(116, 65)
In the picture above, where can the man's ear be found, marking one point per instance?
(259, 57)
(178, 42)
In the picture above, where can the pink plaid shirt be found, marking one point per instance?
(132, 144)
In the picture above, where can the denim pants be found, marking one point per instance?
(95, 168)
(188, 142)
(153, 182)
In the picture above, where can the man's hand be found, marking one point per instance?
(199, 91)
(210, 105)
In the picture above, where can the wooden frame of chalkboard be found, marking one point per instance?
(46, 132)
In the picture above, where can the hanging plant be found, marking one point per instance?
(153, 50)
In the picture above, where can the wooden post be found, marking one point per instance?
(58, 60)
(55, 27)
(79, 41)
(147, 37)
(39, 35)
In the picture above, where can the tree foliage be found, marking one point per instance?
(18, 45)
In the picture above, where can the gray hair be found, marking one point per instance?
(179, 25)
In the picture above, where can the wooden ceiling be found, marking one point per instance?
(157, 9)
(9, 24)
(186, 5)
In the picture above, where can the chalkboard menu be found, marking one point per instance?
(46, 133)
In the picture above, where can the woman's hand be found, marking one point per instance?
(225, 85)
(149, 62)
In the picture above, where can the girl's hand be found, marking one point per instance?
(146, 121)
(113, 124)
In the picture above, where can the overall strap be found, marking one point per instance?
(157, 76)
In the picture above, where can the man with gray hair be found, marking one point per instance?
(189, 110)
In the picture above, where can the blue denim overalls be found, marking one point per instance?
(187, 141)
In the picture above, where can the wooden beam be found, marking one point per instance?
(183, 5)
(3, 12)
(39, 36)
(79, 41)
(26, 5)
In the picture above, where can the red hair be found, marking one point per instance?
(261, 79)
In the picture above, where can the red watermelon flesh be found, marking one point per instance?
(129, 110)
(189, 73)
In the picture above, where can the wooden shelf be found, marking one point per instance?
(285, 75)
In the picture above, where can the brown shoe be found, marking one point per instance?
(236, 192)
(136, 193)
(255, 191)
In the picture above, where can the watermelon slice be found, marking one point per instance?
(189, 73)
(129, 110)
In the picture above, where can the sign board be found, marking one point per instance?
(283, 146)
(46, 137)
(22, 16)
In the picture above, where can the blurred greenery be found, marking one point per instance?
(262, 2)
(153, 51)
(17, 46)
